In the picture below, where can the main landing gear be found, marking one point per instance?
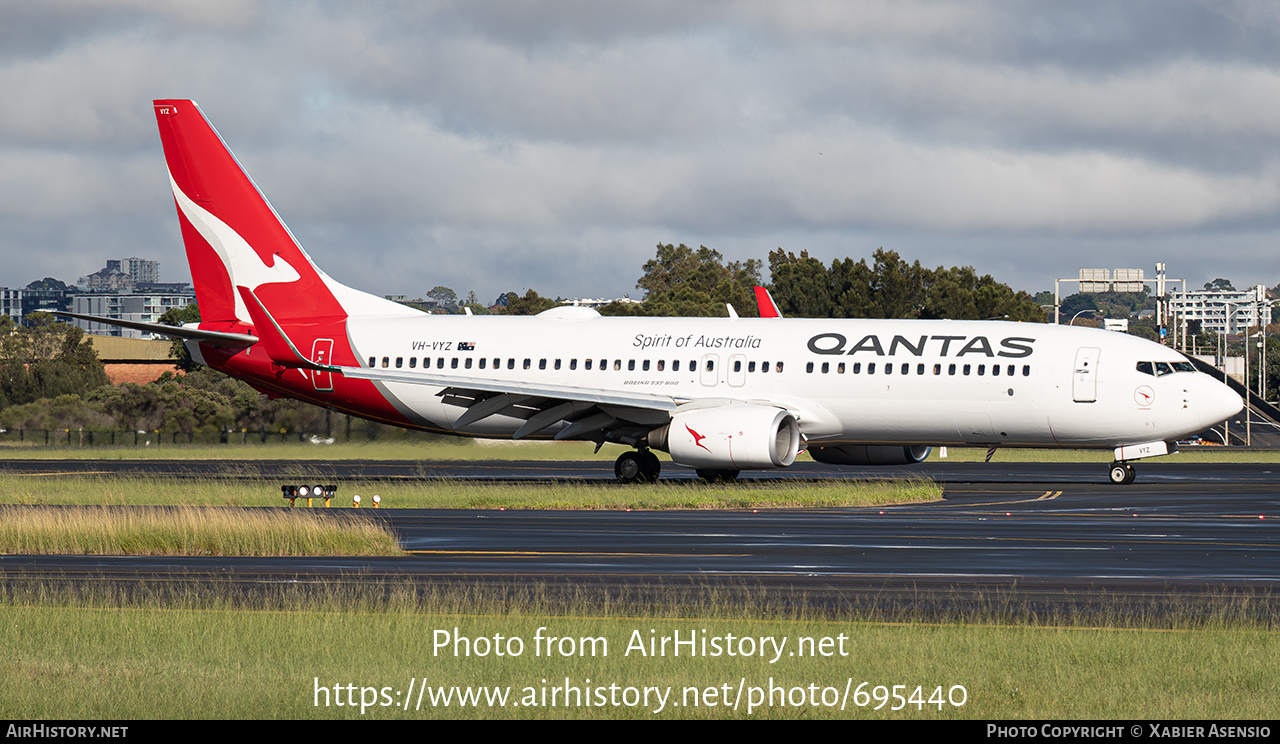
(637, 466)
(1122, 473)
(642, 466)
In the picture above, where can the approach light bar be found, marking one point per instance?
(292, 492)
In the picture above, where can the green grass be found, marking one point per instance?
(100, 490)
(197, 657)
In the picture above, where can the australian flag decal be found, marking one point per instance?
(466, 346)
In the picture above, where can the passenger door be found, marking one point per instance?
(710, 375)
(737, 370)
(1084, 375)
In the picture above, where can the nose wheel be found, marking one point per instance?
(637, 466)
(1122, 473)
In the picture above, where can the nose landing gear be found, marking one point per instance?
(1122, 472)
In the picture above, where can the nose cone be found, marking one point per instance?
(1217, 403)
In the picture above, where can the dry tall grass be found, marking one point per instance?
(188, 530)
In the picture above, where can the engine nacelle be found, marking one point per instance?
(869, 454)
(734, 437)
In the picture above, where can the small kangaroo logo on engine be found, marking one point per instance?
(697, 438)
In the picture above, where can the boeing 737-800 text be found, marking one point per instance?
(718, 394)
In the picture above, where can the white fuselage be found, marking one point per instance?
(845, 381)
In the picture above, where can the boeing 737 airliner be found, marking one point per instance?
(718, 394)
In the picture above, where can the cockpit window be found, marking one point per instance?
(1160, 369)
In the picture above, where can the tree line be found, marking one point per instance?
(681, 281)
(684, 282)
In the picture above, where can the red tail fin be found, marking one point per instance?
(233, 237)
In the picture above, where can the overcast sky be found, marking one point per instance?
(551, 145)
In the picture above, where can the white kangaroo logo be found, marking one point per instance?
(245, 268)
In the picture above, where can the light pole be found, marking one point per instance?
(1226, 328)
(1262, 364)
(1248, 418)
(1073, 317)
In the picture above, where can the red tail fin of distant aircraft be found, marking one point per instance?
(764, 301)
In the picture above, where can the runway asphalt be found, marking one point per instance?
(1025, 537)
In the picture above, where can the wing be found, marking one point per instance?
(591, 413)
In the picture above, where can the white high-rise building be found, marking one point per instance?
(1223, 311)
(11, 303)
(139, 269)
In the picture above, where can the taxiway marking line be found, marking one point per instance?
(584, 554)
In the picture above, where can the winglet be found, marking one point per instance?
(272, 337)
(768, 309)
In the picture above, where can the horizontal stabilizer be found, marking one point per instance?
(279, 348)
(182, 333)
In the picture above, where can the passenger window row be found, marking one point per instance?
(888, 368)
(645, 365)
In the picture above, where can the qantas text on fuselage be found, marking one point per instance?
(1012, 347)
